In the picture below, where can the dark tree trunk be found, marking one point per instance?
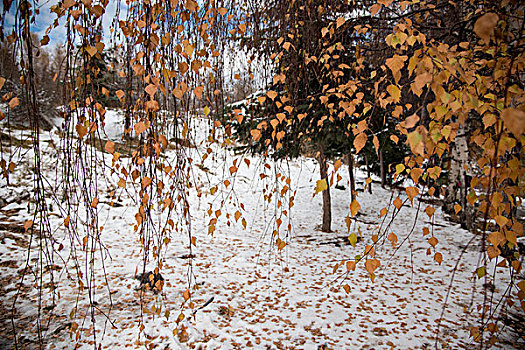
(350, 160)
(368, 174)
(327, 203)
(382, 168)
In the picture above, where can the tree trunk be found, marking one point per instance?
(327, 203)
(459, 181)
(382, 168)
(350, 160)
(368, 174)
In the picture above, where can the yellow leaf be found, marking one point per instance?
(359, 142)
(321, 185)
(354, 207)
(394, 91)
(457, 208)
(415, 141)
(484, 26)
(514, 120)
(206, 111)
(92, 51)
(353, 239)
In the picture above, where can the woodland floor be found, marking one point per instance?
(262, 298)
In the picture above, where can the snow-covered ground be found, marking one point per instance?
(263, 298)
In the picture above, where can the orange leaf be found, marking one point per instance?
(493, 252)
(140, 127)
(186, 295)
(28, 224)
(350, 266)
(484, 26)
(340, 21)
(81, 130)
(94, 202)
(514, 120)
(151, 89)
(271, 94)
(346, 287)
(398, 203)
(374, 9)
(120, 94)
(121, 183)
(430, 211)
(110, 147)
(412, 192)
(146, 182)
(433, 241)
(438, 257)
(14, 102)
(359, 142)
(256, 134)
(371, 265)
(92, 51)
(415, 174)
(198, 91)
(354, 208)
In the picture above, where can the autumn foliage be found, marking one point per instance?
(442, 80)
